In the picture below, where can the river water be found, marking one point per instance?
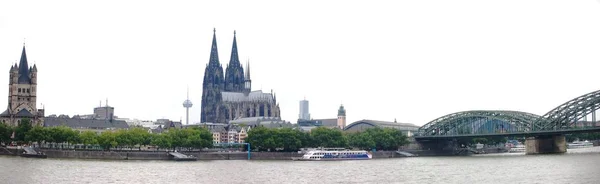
(577, 166)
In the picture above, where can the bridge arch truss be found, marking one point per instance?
(567, 114)
(481, 122)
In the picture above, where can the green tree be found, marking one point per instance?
(289, 139)
(23, 127)
(5, 133)
(161, 140)
(361, 140)
(37, 134)
(307, 141)
(62, 134)
(72, 136)
(108, 140)
(139, 136)
(399, 139)
(258, 138)
(205, 136)
(378, 138)
(189, 138)
(124, 138)
(88, 138)
(327, 137)
(176, 137)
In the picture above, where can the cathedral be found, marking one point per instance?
(22, 94)
(228, 96)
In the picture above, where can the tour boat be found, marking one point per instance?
(580, 144)
(327, 154)
(517, 149)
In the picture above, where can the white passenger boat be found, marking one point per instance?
(327, 154)
(519, 148)
(580, 144)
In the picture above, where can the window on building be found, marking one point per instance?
(27, 90)
(19, 90)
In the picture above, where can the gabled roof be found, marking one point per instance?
(24, 113)
(6, 113)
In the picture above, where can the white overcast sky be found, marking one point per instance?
(409, 60)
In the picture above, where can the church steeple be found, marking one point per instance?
(247, 81)
(235, 60)
(214, 53)
(24, 69)
(234, 73)
(212, 85)
(247, 77)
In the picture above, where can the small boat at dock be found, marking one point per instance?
(29, 152)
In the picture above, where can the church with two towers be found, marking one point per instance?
(229, 96)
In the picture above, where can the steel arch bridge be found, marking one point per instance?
(567, 114)
(562, 119)
(480, 122)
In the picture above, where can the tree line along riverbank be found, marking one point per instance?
(197, 138)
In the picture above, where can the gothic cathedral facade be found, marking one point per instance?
(22, 95)
(228, 96)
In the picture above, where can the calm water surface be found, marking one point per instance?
(578, 166)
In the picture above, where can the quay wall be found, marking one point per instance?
(109, 155)
(161, 155)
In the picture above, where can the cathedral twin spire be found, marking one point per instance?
(217, 81)
(214, 53)
(234, 78)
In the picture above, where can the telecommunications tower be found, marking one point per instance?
(187, 104)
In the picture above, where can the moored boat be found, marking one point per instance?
(38, 155)
(517, 149)
(330, 154)
(580, 144)
(29, 152)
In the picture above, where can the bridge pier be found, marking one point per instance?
(546, 144)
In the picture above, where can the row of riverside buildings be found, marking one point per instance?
(229, 108)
